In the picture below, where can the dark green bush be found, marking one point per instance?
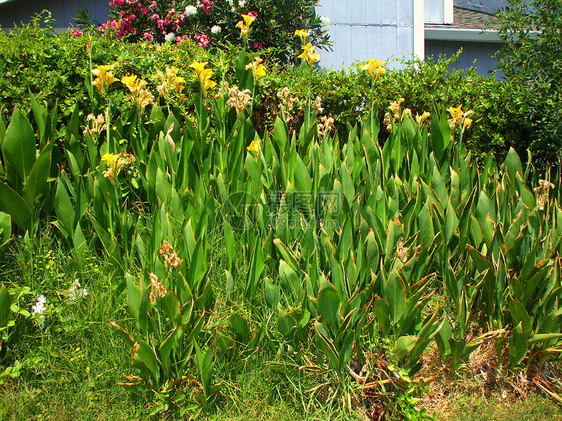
(532, 61)
(57, 69)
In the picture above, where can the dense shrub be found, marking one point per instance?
(214, 23)
(532, 62)
(61, 64)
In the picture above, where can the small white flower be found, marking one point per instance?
(190, 10)
(216, 29)
(325, 20)
(76, 291)
(39, 306)
(241, 3)
(170, 37)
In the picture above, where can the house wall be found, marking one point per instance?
(63, 11)
(479, 54)
(486, 6)
(438, 11)
(363, 29)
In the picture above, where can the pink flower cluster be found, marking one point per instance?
(76, 32)
(206, 5)
(202, 40)
(181, 39)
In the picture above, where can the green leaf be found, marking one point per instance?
(291, 284)
(329, 304)
(526, 195)
(5, 303)
(64, 209)
(145, 359)
(517, 346)
(256, 268)
(19, 145)
(425, 224)
(137, 301)
(14, 205)
(40, 115)
(272, 294)
(37, 180)
(404, 345)
(513, 164)
(239, 325)
(286, 324)
(396, 295)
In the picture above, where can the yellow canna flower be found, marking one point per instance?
(109, 158)
(302, 34)
(255, 146)
(258, 69)
(198, 66)
(309, 55)
(179, 83)
(139, 96)
(104, 78)
(458, 117)
(456, 113)
(245, 26)
(421, 118)
(129, 81)
(374, 67)
(115, 162)
(204, 75)
(248, 20)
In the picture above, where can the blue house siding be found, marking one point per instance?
(486, 6)
(479, 54)
(63, 11)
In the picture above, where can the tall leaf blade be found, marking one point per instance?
(19, 145)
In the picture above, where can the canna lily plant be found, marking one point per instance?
(244, 26)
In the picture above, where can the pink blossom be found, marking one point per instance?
(148, 36)
(155, 16)
(76, 32)
(145, 11)
(154, 4)
(132, 16)
(202, 40)
(258, 46)
(206, 5)
(253, 14)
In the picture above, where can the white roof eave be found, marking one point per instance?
(461, 34)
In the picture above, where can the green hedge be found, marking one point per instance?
(56, 69)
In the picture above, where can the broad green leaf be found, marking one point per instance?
(37, 180)
(329, 304)
(513, 165)
(404, 345)
(64, 209)
(14, 205)
(19, 145)
(5, 303)
(425, 224)
(286, 323)
(145, 358)
(239, 325)
(518, 346)
(291, 283)
(272, 294)
(395, 293)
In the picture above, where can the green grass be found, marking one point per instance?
(533, 408)
(71, 367)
